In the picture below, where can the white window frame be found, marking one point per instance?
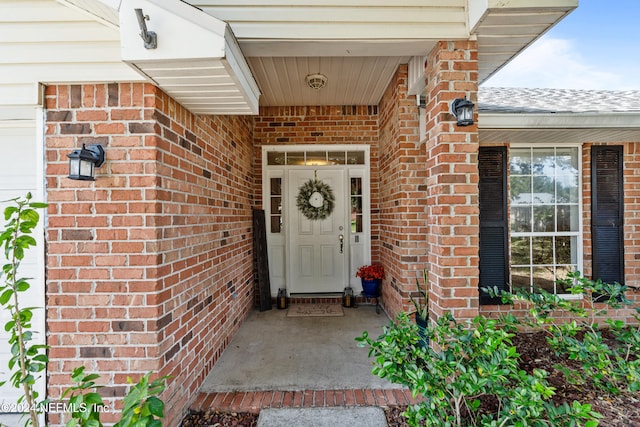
(578, 234)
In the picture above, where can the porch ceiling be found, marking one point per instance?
(358, 44)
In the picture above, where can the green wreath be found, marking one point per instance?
(315, 200)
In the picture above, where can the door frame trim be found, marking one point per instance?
(280, 240)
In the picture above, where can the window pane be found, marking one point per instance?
(568, 218)
(356, 223)
(520, 250)
(520, 163)
(276, 223)
(567, 161)
(336, 157)
(521, 219)
(275, 158)
(316, 158)
(356, 205)
(544, 218)
(520, 190)
(544, 278)
(295, 159)
(276, 205)
(542, 250)
(562, 271)
(543, 190)
(276, 186)
(543, 161)
(355, 157)
(567, 189)
(564, 252)
(520, 277)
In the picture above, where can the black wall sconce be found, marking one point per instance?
(462, 109)
(82, 162)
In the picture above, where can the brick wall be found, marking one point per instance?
(403, 190)
(452, 164)
(341, 124)
(150, 266)
(329, 125)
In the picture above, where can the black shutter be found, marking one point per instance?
(494, 257)
(607, 213)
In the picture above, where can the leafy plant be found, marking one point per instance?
(142, 407)
(610, 364)
(466, 363)
(85, 406)
(27, 360)
(421, 303)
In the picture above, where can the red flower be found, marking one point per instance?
(371, 272)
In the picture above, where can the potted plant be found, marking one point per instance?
(371, 276)
(421, 304)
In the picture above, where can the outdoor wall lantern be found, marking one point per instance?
(82, 162)
(462, 109)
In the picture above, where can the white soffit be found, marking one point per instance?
(504, 28)
(197, 61)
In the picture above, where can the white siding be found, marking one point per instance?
(21, 172)
(46, 42)
(341, 19)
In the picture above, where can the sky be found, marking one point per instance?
(597, 46)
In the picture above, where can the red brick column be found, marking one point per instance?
(149, 268)
(452, 72)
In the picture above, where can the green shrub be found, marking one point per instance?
(27, 360)
(466, 365)
(610, 363)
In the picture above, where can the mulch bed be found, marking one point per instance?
(617, 411)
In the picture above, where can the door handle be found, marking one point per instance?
(341, 238)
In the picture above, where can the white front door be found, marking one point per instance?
(318, 248)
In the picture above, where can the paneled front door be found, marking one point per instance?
(318, 248)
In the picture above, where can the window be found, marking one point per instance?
(356, 205)
(315, 158)
(275, 196)
(544, 220)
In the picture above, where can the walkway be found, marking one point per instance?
(275, 361)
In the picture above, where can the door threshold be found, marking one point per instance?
(315, 298)
(316, 294)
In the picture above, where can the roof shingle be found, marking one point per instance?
(540, 100)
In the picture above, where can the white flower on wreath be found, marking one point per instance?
(315, 200)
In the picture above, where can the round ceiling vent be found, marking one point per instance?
(316, 81)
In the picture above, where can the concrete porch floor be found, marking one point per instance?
(275, 361)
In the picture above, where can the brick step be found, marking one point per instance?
(254, 401)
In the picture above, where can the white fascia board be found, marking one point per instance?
(594, 120)
(239, 71)
(476, 11)
(104, 11)
(181, 30)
